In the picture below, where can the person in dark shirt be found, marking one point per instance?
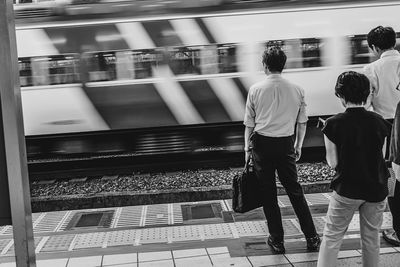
(354, 141)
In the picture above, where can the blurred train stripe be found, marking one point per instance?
(139, 40)
(205, 30)
(92, 38)
(189, 31)
(131, 106)
(232, 100)
(241, 87)
(175, 97)
(35, 42)
(205, 100)
(162, 33)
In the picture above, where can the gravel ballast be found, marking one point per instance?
(308, 173)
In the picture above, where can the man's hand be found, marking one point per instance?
(297, 152)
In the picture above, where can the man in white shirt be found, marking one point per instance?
(274, 106)
(384, 76)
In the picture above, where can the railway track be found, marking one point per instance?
(144, 151)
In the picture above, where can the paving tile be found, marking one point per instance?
(388, 260)
(52, 263)
(155, 256)
(217, 250)
(94, 261)
(387, 250)
(302, 257)
(200, 261)
(267, 260)
(226, 260)
(119, 259)
(397, 248)
(133, 264)
(348, 254)
(383, 250)
(163, 263)
(185, 253)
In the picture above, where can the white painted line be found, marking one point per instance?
(171, 214)
(105, 241)
(143, 216)
(39, 219)
(137, 239)
(234, 230)
(296, 224)
(72, 245)
(41, 244)
(228, 207)
(117, 215)
(62, 221)
(5, 229)
(7, 247)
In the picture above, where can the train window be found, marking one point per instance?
(185, 60)
(360, 52)
(227, 58)
(25, 72)
(102, 67)
(143, 63)
(301, 53)
(63, 69)
(122, 65)
(59, 69)
(311, 52)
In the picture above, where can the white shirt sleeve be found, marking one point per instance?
(302, 116)
(250, 113)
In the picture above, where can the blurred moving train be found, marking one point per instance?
(112, 74)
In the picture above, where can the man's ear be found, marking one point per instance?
(376, 49)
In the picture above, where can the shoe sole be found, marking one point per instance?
(275, 251)
(390, 241)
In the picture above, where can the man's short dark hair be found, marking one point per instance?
(382, 37)
(353, 87)
(274, 59)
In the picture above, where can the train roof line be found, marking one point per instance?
(170, 17)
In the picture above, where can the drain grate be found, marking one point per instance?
(201, 211)
(96, 219)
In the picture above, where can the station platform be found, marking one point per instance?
(191, 234)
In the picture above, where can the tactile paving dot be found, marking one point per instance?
(290, 228)
(316, 199)
(214, 231)
(319, 223)
(154, 235)
(251, 228)
(58, 243)
(122, 238)
(186, 233)
(91, 240)
(387, 220)
(11, 251)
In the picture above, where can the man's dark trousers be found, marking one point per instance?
(272, 154)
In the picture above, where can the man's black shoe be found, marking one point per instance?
(391, 237)
(313, 243)
(277, 246)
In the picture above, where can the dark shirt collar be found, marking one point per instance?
(355, 109)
